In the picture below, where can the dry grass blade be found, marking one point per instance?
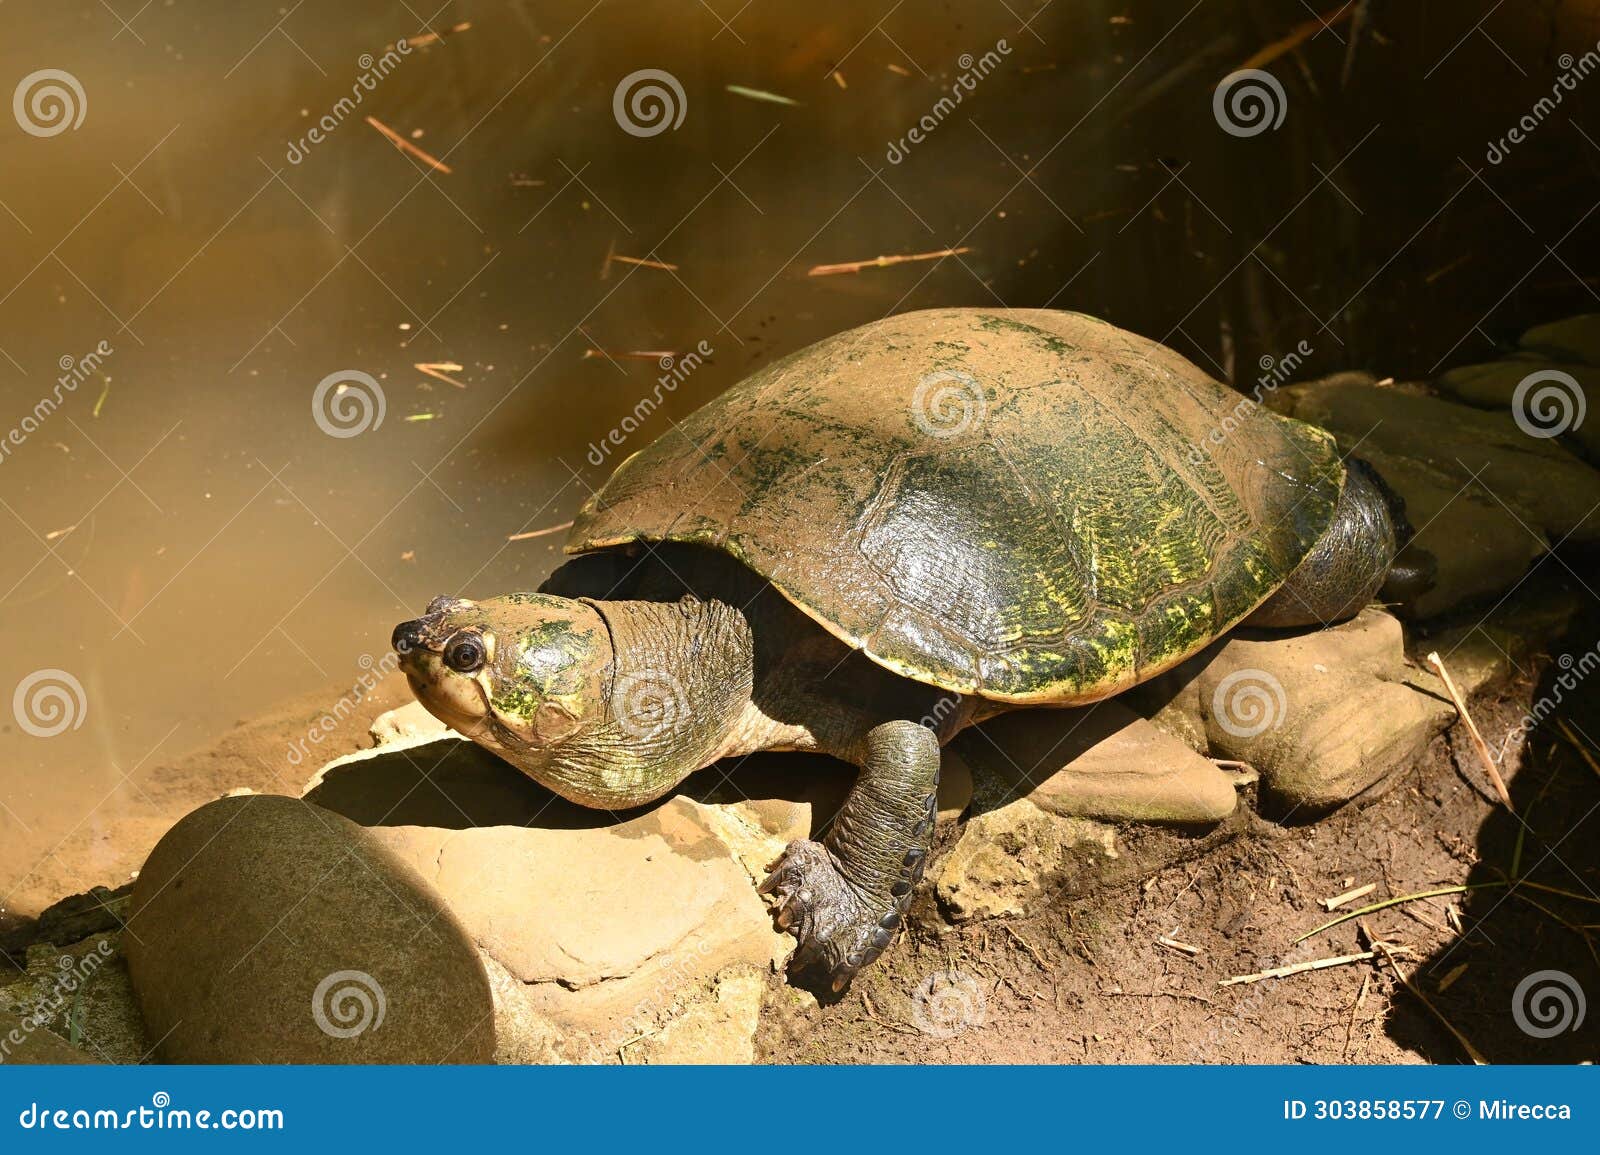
(1382, 948)
(1472, 728)
(1299, 968)
(1396, 901)
(1572, 739)
(1348, 896)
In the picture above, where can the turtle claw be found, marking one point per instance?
(839, 929)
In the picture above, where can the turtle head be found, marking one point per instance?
(519, 674)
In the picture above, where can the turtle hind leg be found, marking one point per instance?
(844, 898)
(1365, 552)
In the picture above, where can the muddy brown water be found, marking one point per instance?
(184, 546)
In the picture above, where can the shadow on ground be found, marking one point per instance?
(1522, 976)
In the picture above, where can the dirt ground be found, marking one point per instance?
(1086, 981)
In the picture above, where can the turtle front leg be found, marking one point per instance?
(845, 897)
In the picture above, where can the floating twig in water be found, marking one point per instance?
(1472, 728)
(439, 369)
(1298, 36)
(545, 532)
(882, 262)
(633, 354)
(422, 39)
(838, 78)
(644, 263)
(759, 94)
(405, 145)
(422, 417)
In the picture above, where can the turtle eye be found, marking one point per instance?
(464, 653)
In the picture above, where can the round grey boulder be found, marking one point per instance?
(268, 930)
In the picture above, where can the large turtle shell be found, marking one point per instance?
(1029, 505)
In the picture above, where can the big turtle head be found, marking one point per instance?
(520, 674)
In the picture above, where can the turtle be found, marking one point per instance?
(888, 536)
